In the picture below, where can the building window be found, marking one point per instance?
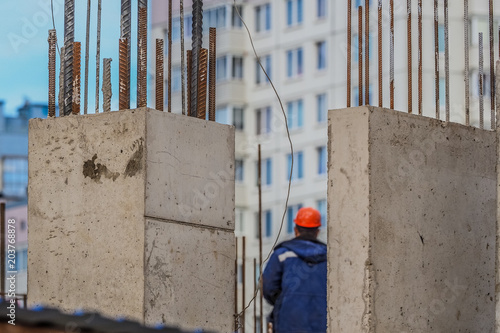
(321, 108)
(236, 20)
(266, 172)
(238, 216)
(321, 204)
(214, 17)
(355, 95)
(294, 62)
(291, 213)
(322, 160)
(298, 166)
(294, 14)
(176, 79)
(260, 76)
(238, 118)
(441, 38)
(355, 48)
(263, 120)
(15, 176)
(221, 68)
(263, 18)
(21, 260)
(321, 55)
(237, 67)
(176, 29)
(222, 115)
(239, 171)
(269, 223)
(321, 8)
(188, 25)
(361, 2)
(295, 114)
(442, 92)
(479, 24)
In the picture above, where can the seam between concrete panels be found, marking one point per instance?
(369, 270)
(144, 160)
(189, 224)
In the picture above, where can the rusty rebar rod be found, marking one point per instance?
(124, 79)
(492, 67)
(497, 88)
(367, 52)
(87, 47)
(259, 183)
(410, 62)
(202, 84)
(3, 259)
(106, 85)
(481, 82)
(349, 56)
(420, 57)
(98, 56)
(466, 50)
(243, 282)
(360, 55)
(380, 64)
(189, 56)
(169, 101)
(77, 70)
(142, 50)
(61, 82)
(255, 293)
(126, 33)
(69, 38)
(183, 63)
(447, 60)
(391, 42)
(52, 73)
(212, 83)
(436, 57)
(197, 39)
(159, 74)
(236, 285)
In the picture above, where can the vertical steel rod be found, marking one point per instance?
(447, 60)
(492, 68)
(236, 286)
(212, 84)
(2, 248)
(106, 85)
(124, 79)
(497, 88)
(142, 56)
(466, 50)
(420, 57)
(189, 56)
(349, 56)
(61, 82)
(243, 283)
(436, 57)
(183, 63)
(87, 46)
(380, 66)
(197, 41)
(126, 33)
(360, 54)
(202, 84)
(259, 182)
(69, 38)
(255, 293)
(98, 56)
(481, 82)
(169, 107)
(52, 73)
(367, 52)
(391, 42)
(159, 75)
(408, 21)
(77, 57)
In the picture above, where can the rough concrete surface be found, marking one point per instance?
(89, 186)
(414, 249)
(194, 282)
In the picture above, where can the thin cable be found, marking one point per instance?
(54, 24)
(291, 151)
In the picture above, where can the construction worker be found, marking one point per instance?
(294, 280)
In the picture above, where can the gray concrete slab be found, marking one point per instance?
(412, 224)
(91, 179)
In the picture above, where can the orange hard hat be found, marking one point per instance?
(308, 217)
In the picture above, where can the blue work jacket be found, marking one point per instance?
(294, 282)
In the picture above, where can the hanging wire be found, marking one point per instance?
(291, 154)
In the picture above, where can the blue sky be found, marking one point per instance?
(24, 48)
